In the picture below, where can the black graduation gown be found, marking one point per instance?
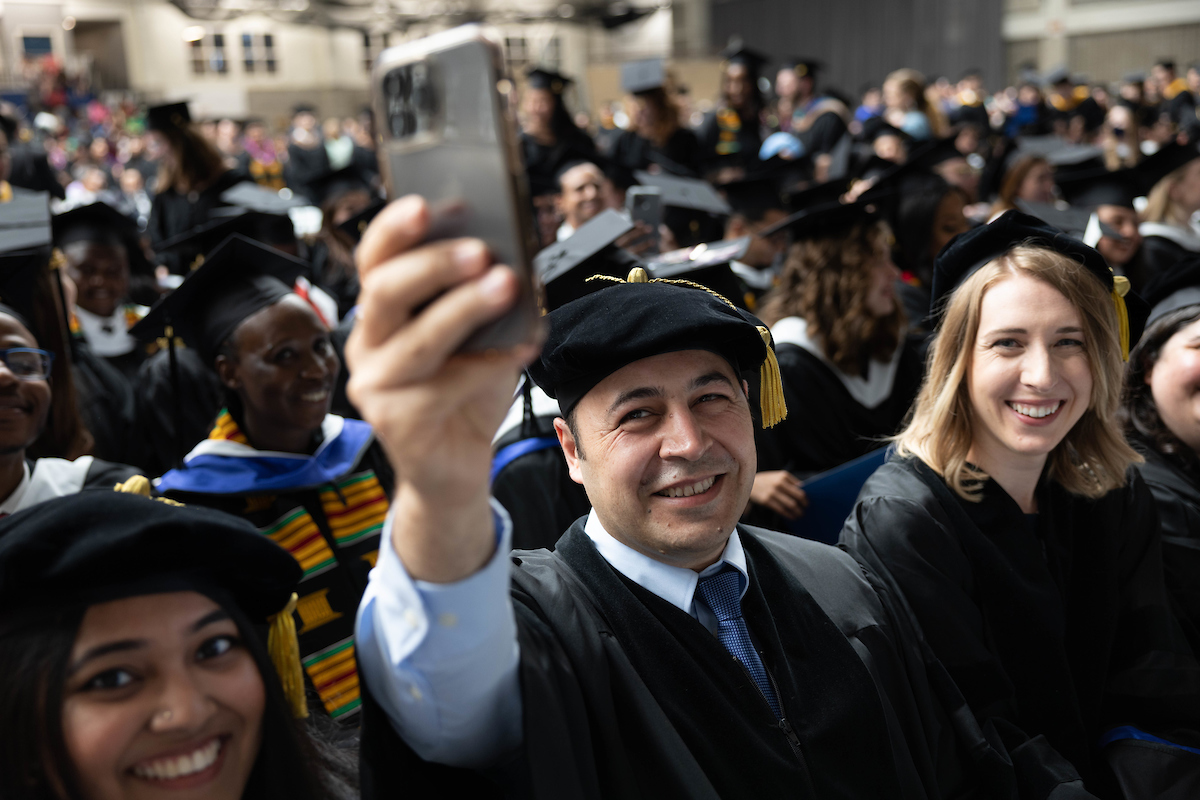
(542, 162)
(823, 134)
(106, 404)
(825, 425)
(536, 489)
(1053, 636)
(1159, 255)
(679, 156)
(626, 696)
(1177, 497)
(173, 213)
(727, 140)
(156, 447)
(340, 280)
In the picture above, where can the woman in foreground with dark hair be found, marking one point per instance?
(1161, 414)
(125, 674)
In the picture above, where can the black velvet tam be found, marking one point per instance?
(969, 251)
(598, 334)
(95, 546)
(239, 278)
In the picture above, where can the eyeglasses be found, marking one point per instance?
(28, 363)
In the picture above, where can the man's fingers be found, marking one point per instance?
(392, 291)
(399, 227)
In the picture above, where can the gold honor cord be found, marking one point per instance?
(771, 402)
(1120, 289)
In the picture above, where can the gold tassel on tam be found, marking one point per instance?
(774, 409)
(285, 655)
(1120, 289)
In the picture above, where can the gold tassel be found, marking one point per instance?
(1120, 288)
(138, 484)
(774, 409)
(285, 655)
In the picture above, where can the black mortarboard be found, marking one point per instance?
(826, 219)
(24, 253)
(1081, 223)
(705, 264)
(98, 546)
(928, 155)
(753, 197)
(564, 267)
(255, 197)
(803, 67)
(303, 108)
(817, 194)
(1175, 288)
(25, 222)
(167, 117)
(1100, 188)
(1057, 76)
(737, 53)
(969, 251)
(103, 224)
(546, 79)
(333, 185)
(643, 76)
(268, 229)
(690, 193)
(1057, 152)
(592, 337)
(356, 226)
(1169, 158)
(237, 279)
(877, 127)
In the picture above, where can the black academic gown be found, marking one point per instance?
(106, 404)
(1159, 255)
(157, 447)
(173, 213)
(1054, 635)
(729, 140)
(542, 162)
(626, 696)
(536, 489)
(1177, 497)
(825, 425)
(679, 156)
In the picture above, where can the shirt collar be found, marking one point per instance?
(676, 585)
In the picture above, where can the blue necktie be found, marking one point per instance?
(722, 593)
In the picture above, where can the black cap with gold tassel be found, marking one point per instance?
(598, 334)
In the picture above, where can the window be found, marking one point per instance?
(208, 54)
(35, 46)
(516, 53)
(373, 45)
(258, 53)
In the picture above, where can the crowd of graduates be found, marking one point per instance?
(895, 400)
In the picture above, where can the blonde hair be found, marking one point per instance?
(1092, 459)
(1159, 205)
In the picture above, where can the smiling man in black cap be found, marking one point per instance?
(609, 672)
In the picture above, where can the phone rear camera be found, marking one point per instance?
(410, 100)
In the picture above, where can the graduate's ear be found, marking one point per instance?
(570, 449)
(227, 372)
(746, 389)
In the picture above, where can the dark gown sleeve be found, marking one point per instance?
(106, 403)
(104, 475)
(541, 498)
(826, 131)
(157, 448)
(1178, 501)
(1159, 254)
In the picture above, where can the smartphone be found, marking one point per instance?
(446, 132)
(644, 204)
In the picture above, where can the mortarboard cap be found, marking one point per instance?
(103, 224)
(25, 239)
(970, 251)
(690, 193)
(269, 229)
(168, 117)
(546, 79)
(803, 67)
(705, 264)
(753, 197)
(1057, 76)
(823, 220)
(254, 197)
(1092, 188)
(1077, 222)
(590, 338)
(356, 226)
(99, 546)
(1133, 77)
(1176, 288)
(25, 222)
(736, 52)
(1058, 152)
(303, 108)
(1169, 158)
(564, 267)
(877, 127)
(237, 279)
(643, 76)
(817, 194)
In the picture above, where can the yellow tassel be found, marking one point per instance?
(138, 484)
(1118, 296)
(285, 655)
(774, 409)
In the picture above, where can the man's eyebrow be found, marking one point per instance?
(640, 393)
(712, 377)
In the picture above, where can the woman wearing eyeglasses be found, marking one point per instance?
(24, 408)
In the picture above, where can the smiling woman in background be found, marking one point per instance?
(130, 665)
(1012, 524)
(315, 483)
